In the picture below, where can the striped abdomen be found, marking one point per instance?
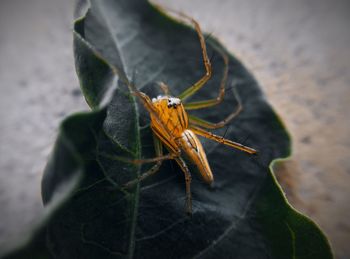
(194, 151)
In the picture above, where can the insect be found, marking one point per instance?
(175, 129)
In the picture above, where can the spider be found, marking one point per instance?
(175, 129)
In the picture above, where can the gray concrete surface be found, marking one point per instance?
(297, 49)
(38, 89)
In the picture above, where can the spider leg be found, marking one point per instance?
(209, 125)
(188, 179)
(140, 161)
(222, 140)
(164, 87)
(145, 100)
(208, 70)
(217, 100)
(200, 83)
(154, 169)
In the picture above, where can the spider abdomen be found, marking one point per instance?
(193, 150)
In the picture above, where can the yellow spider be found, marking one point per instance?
(174, 128)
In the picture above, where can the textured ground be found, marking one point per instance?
(298, 50)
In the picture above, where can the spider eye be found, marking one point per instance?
(173, 102)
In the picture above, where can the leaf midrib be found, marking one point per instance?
(137, 188)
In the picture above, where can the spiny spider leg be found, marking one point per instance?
(154, 169)
(188, 179)
(200, 83)
(194, 88)
(209, 125)
(140, 161)
(164, 87)
(217, 100)
(222, 140)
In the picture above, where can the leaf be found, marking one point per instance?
(63, 174)
(244, 215)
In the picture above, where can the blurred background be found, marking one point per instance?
(298, 50)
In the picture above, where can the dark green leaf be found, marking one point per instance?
(244, 215)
